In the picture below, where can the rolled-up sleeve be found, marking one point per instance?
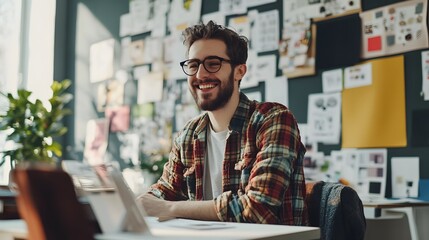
(170, 186)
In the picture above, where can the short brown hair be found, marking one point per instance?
(236, 45)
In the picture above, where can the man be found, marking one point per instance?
(242, 160)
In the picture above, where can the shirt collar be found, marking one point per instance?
(238, 120)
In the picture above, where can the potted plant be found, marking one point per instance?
(32, 127)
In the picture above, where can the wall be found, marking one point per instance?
(82, 23)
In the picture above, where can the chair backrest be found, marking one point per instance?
(336, 209)
(48, 203)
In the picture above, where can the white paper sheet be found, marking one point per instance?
(101, 60)
(255, 96)
(276, 90)
(230, 7)
(324, 117)
(142, 13)
(241, 25)
(150, 88)
(250, 79)
(405, 177)
(425, 75)
(254, 3)
(337, 163)
(217, 17)
(183, 14)
(266, 67)
(160, 18)
(349, 172)
(126, 60)
(358, 76)
(264, 30)
(174, 52)
(332, 80)
(125, 25)
(140, 71)
(154, 49)
(303, 132)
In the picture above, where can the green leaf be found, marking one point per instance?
(56, 148)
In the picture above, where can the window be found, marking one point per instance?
(10, 25)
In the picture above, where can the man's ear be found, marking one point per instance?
(240, 70)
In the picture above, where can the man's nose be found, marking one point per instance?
(202, 72)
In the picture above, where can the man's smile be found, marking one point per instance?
(206, 85)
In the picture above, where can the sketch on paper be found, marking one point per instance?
(324, 115)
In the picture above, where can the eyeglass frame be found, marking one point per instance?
(182, 64)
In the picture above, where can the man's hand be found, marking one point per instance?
(163, 209)
(156, 207)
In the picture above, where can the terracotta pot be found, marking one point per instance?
(26, 165)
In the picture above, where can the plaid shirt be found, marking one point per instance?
(263, 177)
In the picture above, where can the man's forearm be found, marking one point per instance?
(201, 210)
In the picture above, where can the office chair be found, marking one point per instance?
(47, 202)
(336, 209)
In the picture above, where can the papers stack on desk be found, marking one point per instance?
(86, 177)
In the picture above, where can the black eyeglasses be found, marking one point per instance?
(212, 64)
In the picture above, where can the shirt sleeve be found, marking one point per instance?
(171, 184)
(267, 192)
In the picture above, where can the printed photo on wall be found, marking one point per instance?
(119, 118)
(96, 140)
(110, 94)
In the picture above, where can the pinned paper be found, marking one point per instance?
(324, 114)
(101, 60)
(405, 177)
(425, 75)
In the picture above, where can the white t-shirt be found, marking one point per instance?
(216, 143)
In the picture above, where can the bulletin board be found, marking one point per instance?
(374, 115)
(395, 28)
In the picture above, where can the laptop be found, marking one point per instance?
(111, 199)
(119, 215)
(134, 215)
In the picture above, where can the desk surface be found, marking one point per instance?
(192, 229)
(395, 203)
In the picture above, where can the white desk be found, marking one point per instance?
(417, 214)
(189, 229)
(12, 229)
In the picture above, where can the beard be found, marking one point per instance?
(223, 97)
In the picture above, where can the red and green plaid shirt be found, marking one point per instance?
(263, 178)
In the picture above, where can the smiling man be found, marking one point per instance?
(240, 160)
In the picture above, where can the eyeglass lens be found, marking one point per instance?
(212, 65)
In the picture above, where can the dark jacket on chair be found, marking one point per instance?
(337, 210)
